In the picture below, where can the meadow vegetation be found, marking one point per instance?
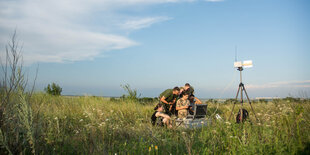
(97, 125)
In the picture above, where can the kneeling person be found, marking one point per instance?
(182, 106)
(159, 118)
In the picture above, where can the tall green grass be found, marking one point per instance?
(96, 125)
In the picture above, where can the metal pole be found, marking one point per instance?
(240, 69)
(236, 99)
(250, 103)
(241, 95)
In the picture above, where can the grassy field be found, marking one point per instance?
(96, 125)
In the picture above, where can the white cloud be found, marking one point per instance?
(281, 84)
(142, 23)
(72, 30)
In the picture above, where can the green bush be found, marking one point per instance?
(53, 89)
(132, 94)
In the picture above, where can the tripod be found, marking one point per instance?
(241, 89)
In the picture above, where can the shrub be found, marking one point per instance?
(53, 89)
(132, 94)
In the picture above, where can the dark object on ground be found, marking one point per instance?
(244, 117)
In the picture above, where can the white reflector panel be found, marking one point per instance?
(247, 64)
(237, 64)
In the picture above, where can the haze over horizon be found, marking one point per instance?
(93, 47)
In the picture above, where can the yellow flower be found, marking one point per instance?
(150, 149)
(156, 148)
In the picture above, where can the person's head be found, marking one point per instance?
(187, 86)
(191, 97)
(176, 91)
(185, 96)
(159, 107)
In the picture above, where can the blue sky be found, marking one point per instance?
(92, 47)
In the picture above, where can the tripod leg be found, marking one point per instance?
(241, 112)
(249, 102)
(234, 103)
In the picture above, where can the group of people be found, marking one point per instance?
(176, 101)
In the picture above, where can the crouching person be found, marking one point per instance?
(182, 106)
(160, 118)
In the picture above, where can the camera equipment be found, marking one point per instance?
(200, 111)
(240, 65)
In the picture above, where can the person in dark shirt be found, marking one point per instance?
(160, 118)
(193, 100)
(168, 99)
(188, 89)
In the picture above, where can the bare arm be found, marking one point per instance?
(163, 99)
(158, 114)
(198, 101)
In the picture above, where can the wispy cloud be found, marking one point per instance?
(281, 84)
(143, 23)
(72, 30)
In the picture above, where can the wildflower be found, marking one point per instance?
(156, 148)
(56, 118)
(227, 123)
(150, 149)
(81, 120)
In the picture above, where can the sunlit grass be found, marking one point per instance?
(95, 125)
